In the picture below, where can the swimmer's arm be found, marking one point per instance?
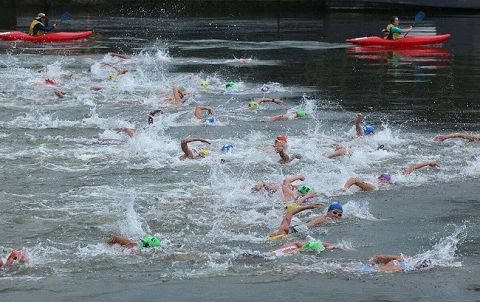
(287, 182)
(267, 100)
(284, 158)
(114, 54)
(469, 137)
(430, 163)
(278, 118)
(287, 219)
(384, 259)
(200, 108)
(358, 121)
(184, 145)
(302, 199)
(128, 131)
(365, 186)
(121, 241)
(317, 221)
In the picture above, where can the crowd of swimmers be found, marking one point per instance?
(296, 197)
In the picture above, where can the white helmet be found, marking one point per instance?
(41, 15)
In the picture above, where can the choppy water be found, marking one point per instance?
(65, 188)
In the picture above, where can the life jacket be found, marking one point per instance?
(388, 35)
(38, 33)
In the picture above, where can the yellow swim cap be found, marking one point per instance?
(204, 152)
(204, 84)
(253, 105)
(112, 75)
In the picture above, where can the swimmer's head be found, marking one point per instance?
(265, 88)
(423, 263)
(230, 84)
(50, 82)
(136, 75)
(204, 84)
(368, 129)
(112, 75)
(210, 120)
(16, 256)
(149, 241)
(336, 209)
(282, 138)
(305, 190)
(385, 177)
(253, 105)
(204, 152)
(313, 246)
(227, 148)
(301, 113)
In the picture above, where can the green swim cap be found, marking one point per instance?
(253, 105)
(229, 84)
(136, 75)
(301, 113)
(149, 241)
(305, 189)
(313, 246)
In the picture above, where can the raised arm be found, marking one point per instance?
(469, 137)
(288, 193)
(353, 181)
(130, 132)
(287, 219)
(186, 150)
(200, 108)
(178, 94)
(358, 127)
(430, 163)
(307, 196)
(152, 114)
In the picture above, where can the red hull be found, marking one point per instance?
(52, 37)
(400, 43)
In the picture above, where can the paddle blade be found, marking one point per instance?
(419, 17)
(65, 16)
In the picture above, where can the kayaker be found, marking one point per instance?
(39, 25)
(392, 31)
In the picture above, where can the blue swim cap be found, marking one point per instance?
(227, 148)
(336, 205)
(368, 129)
(210, 120)
(265, 88)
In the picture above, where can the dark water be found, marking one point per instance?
(63, 194)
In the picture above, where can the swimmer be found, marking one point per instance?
(117, 55)
(300, 113)
(256, 102)
(468, 137)
(280, 145)
(227, 148)
(60, 94)
(152, 114)
(287, 219)
(340, 150)
(15, 256)
(199, 109)
(292, 192)
(189, 154)
(146, 242)
(270, 187)
(118, 70)
(396, 263)
(361, 132)
(334, 212)
(299, 247)
(178, 96)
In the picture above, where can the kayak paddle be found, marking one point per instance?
(65, 16)
(418, 18)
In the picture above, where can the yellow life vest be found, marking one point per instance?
(393, 36)
(30, 31)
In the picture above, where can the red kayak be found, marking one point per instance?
(51, 37)
(399, 43)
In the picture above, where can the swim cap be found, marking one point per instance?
(50, 81)
(136, 75)
(291, 206)
(16, 255)
(336, 205)
(305, 189)
(204, 152)
(40, 15)
(313, 246)
(253, 105)
(385, 177)
(229, 84)
(210, 120)
(148, 241)
(423, 263)
(112, 75)
(301, 113)
(265, 88)
(282, 138)
(227, 148)
(368, 129)
(204, 84)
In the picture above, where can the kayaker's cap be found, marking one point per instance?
(253, 105)
(368, 129)
(149, 241)
(313, 246)
(301, 113)
(40, 16)
(385, 177)
(335, 206)
(305, 190)
(282, 138)
(227, 148)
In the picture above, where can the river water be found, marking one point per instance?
(69, 180)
